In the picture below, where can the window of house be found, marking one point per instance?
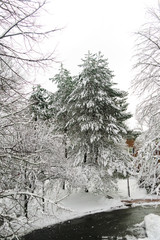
(131, 150)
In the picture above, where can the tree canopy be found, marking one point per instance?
(96, 110)
(147, 84)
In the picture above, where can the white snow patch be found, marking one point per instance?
(135, 191)
(152, 226)
(87, 202)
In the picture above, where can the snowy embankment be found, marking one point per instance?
(81, 203)
(151, 222)
(152, 225)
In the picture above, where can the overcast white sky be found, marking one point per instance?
(98, 25)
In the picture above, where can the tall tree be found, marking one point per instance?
(96, 110)
(65, 85)
(21, 39)
(21, 43)
(147, 84)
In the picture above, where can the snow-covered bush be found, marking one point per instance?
(147, 163)
(91, 178)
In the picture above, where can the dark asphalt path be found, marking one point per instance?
(106, 225)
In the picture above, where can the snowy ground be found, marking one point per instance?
(81, 203)
(135, 191)
(152, 226)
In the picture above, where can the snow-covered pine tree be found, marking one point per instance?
(42, 103)
(65, 85)
(96, 112)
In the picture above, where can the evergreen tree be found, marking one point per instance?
(65, 85)
(96, 111)
(42, 103)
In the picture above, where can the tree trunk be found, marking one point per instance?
(65, 143)
(85, 158)
(96, 154)
(26, 206)
(63, 185)
(43, 201)
(25, 196)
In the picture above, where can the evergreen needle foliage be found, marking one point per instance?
(92, 110)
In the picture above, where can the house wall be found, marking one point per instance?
(131, 148)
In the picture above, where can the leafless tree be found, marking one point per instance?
(30, 155)
(147, 85)
(147, 80)
(22, 39)
(21, 33)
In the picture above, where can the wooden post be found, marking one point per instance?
(129, 194)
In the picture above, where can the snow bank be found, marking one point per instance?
(81, 203)
(152, 226)
(87, 202)
(77, 205)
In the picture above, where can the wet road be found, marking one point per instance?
(106, 225)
